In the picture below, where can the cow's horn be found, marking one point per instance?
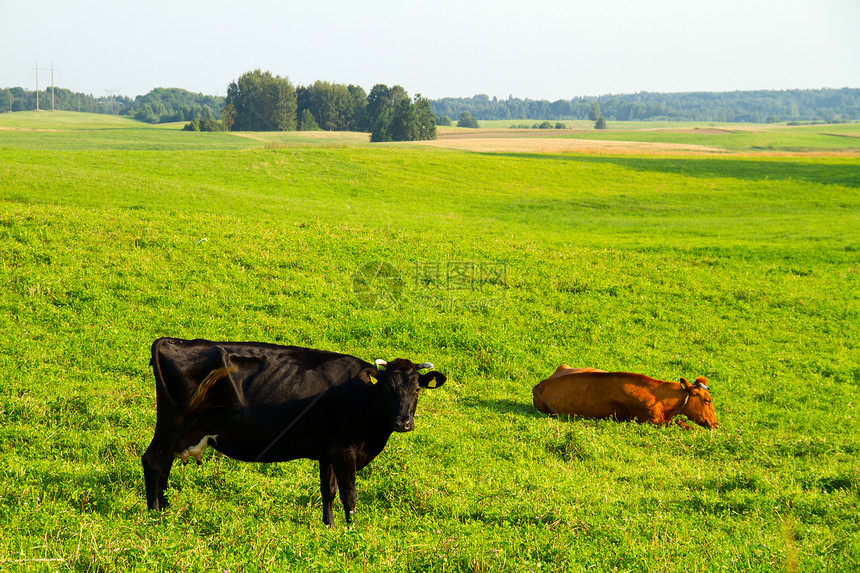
(380, 363)
(424, 365)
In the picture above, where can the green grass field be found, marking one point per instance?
(739, 267)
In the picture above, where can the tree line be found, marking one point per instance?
(163, 105)
(19, 99)
(389, 112)
(740, 106)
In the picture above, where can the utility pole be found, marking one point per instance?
(37, 86)
(110, 98)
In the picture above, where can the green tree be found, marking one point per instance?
(594, 112)
(383, 104)
(307, 122)
(466, 120)
(358, 108)
(383, 99)
(263, 102)
(381, 128)
(600, 123)
(228, 116)
(402, 127)
(398, 118)
(423, 119)
(331, 104)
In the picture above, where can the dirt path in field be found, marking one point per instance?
(6, 128)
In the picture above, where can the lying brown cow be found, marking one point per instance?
(593, 393)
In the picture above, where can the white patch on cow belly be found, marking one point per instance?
(195, 451)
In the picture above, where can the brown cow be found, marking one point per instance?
(593, 393)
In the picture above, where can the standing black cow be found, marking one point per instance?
(262, 402)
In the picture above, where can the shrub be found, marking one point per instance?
(466, 120)
(206, 124)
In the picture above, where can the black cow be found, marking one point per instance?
(260, 402)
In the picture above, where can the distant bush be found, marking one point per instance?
(600, 123)
(545, 125)
(560, 125)
(444, 120)
(466, 120)
(206, 124)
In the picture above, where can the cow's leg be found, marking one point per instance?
(344, 469)
(162, 483)
(328, 487)
(156, 461)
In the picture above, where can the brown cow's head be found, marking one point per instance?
(699, 407)
(398, 381)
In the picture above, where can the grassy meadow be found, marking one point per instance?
(741, 266)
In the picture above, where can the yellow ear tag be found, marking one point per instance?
(432, 383)
(373, 380)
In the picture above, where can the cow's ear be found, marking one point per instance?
(369, 376)
(685, 385)
(431, 380)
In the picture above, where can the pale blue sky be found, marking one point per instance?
(540, 49)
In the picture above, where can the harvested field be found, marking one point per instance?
(516, 143)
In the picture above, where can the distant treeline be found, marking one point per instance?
(19, 99)
(341, 107)
(742, 106)
(163, 105)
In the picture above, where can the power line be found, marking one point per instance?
(110, 98)
(37, 85)
(52, 86)
(36, 69)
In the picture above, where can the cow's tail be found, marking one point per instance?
(166, 402)
(196, 402)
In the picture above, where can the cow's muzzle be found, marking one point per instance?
(404, 425)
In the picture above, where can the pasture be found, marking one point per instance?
(732, 263)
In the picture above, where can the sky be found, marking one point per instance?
(538, 49)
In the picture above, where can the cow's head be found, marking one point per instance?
(699, 407)
(398, 381)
